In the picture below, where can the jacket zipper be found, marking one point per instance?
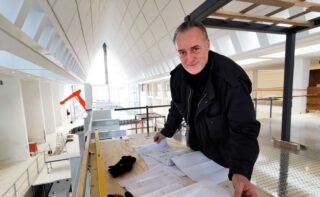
(202, 99)
(189, 102)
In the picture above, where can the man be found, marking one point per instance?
(212, 94)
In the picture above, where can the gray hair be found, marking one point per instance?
(188, 25)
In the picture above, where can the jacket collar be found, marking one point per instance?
(209, 86)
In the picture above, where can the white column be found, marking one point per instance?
(48, 112)
(88, 95)
(300, 84)
(33, 110)
(56, 98)
(13, 141)
(63, 111)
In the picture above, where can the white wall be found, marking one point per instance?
(300, 84)
(33, 110)
(63, 111)
(48, 112)
(13, 129)
(56, 98)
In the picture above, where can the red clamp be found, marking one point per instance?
(78, 97)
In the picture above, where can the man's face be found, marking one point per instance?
(193, 49)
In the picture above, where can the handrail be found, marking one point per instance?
(144, 107)
(271, 99)
(101, 178)
(28, 175)
(81, 185)
(147, 111)
(280, 97)
(275, 89)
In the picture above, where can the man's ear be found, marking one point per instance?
(208, 43)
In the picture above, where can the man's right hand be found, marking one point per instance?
(158, 137)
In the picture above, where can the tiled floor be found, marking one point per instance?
(281, 172)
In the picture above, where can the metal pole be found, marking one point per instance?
(15, 189)
(147, 108)
(270, 107)
(255, 105)
(104, 46)
(135, 120)
(28, 177)
(287, 87)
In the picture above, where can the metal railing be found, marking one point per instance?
(147, 107)
(26, 172)
(271, 99)
(81, 184)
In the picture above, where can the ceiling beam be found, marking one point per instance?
(244, 26)
(205, 9)
(229, 14)
(315, 21)
(277, 3)
(287, 3)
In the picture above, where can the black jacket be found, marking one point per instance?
(225, 125)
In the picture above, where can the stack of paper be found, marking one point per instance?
(158, 180)
(202, 188)
(161, 152)
(198, 167)
(167, 165)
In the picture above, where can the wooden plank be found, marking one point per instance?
(229, 14)
(285, 144)
(81, 185)
(100, 169)
(287, 3)
(277, 3)
(113, 150)
(94, 183)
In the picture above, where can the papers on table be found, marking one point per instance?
(198, 167)
(161, 152)
(167, 165)
(202, 188)
(158, 180)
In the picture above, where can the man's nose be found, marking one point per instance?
(189, 57)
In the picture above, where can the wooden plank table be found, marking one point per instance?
(113, 150)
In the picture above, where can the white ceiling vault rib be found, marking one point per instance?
(57, 25)
(139, 32)
(16, 42)
(22, 14)
(82, 31)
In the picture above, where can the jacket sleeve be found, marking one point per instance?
(244, 128)
(174, 117)
(173, 121)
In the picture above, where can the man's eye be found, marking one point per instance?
(195, 50)
(182, 53)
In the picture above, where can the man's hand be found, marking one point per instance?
(158, 137)
(242, 186)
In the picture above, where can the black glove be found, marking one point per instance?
(124, 165)
(126, 194)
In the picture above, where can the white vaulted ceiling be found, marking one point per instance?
(63, 36)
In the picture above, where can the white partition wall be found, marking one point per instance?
(63, 108)
(88, 95)
(13, 129)
(33, 110)
(300, 84)
(56, 98)
(48, 112)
